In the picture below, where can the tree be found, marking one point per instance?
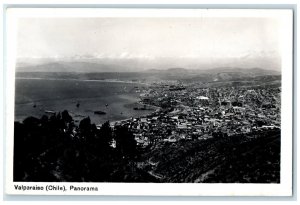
(105, 137)
(66, 117)
(87, 130)
(125, 142)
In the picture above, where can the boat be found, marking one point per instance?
(99, 112)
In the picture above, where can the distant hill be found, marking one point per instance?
(252, 71)
(124, 65)
(113, 70)
(249, 71)
(177, 70)
(216, 74)
(61, 66)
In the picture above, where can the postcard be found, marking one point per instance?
(149, 102)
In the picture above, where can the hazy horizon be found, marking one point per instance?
(113, 65)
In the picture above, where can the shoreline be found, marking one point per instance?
(112, 123)
(84, 80)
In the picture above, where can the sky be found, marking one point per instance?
(158, 42)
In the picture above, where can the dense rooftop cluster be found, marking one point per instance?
(189, 112)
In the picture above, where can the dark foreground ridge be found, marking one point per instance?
(54, 149)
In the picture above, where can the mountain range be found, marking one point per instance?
(95, 66)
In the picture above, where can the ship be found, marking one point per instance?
(99, 112)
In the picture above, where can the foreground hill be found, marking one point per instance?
(235, 159)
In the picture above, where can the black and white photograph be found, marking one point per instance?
(193, 98)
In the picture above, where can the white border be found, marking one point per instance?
(151, 189)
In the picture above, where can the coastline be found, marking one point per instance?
(112, 123)
(85, 80)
